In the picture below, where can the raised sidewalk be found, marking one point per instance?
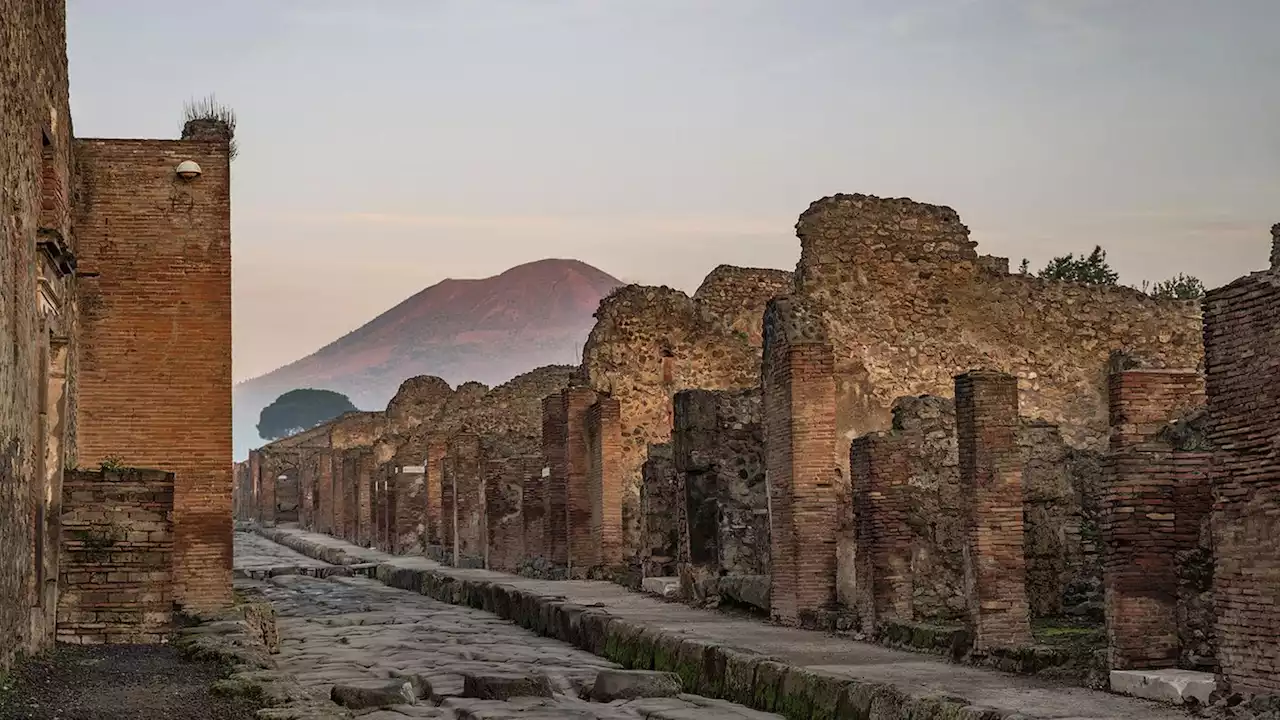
(802, 674)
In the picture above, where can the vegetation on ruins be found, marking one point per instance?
(1182, 287)
(1093, 269)
(210, 110)
(299, 410)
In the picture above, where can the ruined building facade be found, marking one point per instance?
(118, 311)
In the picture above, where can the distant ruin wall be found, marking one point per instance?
(909, 304)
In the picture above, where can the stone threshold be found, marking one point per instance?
(802, 674)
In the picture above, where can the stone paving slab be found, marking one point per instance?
(766, 666)
(356, 631)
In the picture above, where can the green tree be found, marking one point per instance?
(1088, 270)
(1181, 287)
(299, 410)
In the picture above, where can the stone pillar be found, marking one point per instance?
(350, 496)
(433, 469)
(533, 511)
(410, 506)
(1242, 368)
(255, 482)
(604, 442)
(553, 458)
(879, 468)
(584, 546)
(991, 476)
(1141, 535)
(467, 468)
(326, 492)
(659, 499)
(693, 441)
(800, 443)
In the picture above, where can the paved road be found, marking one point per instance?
(353, 630)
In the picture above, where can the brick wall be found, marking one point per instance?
(366, 482)
(880, 469)
(1149, 483)
(467, 465)
(604, 457)
(434, 470)
(410, 510)
(800, 442)
(584, 549)
(1241, 346)
(553, 458)
(659, 523)
(991, 477)
(533, 512)
(116, 567)
(155, 289)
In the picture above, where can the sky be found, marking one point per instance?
(386, 145)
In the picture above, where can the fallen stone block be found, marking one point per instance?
(504, 686)
(613, 685)
(360, 697)
(666, 587)
(1171, 686)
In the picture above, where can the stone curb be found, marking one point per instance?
(741, 676)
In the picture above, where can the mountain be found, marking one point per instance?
(488, 330)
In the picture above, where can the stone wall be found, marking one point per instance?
(504, 523)
(1241, 349)
(908, 304)
(116, 569)
(650, 342)
(155, 335)
(660, 518)
(38, 371)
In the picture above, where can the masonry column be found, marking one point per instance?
(326, 491)
(659, 500)
(604, 433)
(468, 479)
(448, 509)
(504, 527)
(1140, 528)
(306, 489)
(365, 480)
(553, 458)
(800, 431)
(991, 477)
(257, 512)
(433, 472)
(350, 496)
(411, 499)
(584, 547)
(881, 507)
(533, 511)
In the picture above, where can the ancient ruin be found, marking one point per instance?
(120, 324)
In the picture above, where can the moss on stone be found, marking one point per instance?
(768, 685)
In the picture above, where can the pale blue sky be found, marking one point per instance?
(388, 144)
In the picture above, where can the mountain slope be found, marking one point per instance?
(488, 329)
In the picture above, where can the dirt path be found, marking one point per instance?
(118, 682)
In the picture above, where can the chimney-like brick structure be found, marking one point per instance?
(991, 475)
(1242, 356)
(1141, 528)
(410, 509)
(659, 502)
(604, 447)
(433, 467)
(882, 505)
(798, 378)
(468, 487)
(553, 459)
(584, 548)
(327, 492)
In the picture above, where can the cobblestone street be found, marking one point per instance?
(356, 631)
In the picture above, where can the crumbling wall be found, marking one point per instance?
(909, 305)
(660, 502)
(650, 342)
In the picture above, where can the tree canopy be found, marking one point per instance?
(1088, 270)
(299, 410)
(1182, 287)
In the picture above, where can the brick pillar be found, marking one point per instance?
(504, 527)
(800, 430)
(255, 482)
(533, 511)
(448, 508)
(1141, 535)
(659, 500)
(553, 459)
(604, 440)
(350, 496)
(991, 475)
(410, 505)
(306, 489)
(433, 467)
(584, 546)
(881, 507)
(468, 484)
(381, 504)
(325, 490)
(1241, 347)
